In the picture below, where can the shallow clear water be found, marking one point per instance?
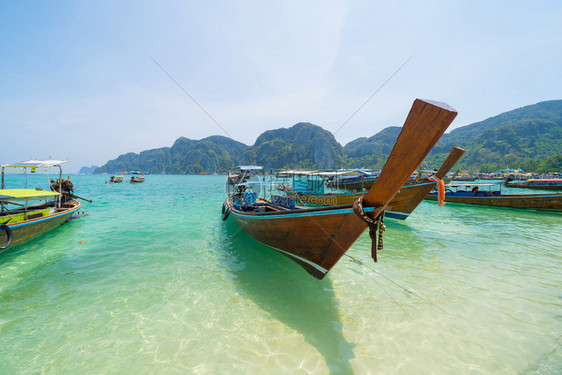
(163, 285)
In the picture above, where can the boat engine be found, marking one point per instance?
(63, 186)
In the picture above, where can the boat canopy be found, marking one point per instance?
(25, 194)
(35, 164)
(249, 167)
(299, 173)
(250, 184)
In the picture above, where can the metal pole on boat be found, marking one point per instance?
(2, 186)
(60, 185)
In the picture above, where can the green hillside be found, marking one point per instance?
(529, 138)
(522, 138)
(186, 156)
(303, 145)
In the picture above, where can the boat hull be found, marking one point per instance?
(551, 202)
(315, 238)
(28, 229)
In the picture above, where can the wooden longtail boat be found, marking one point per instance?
(404, 202)
(244, 173)
(537, 183)
(135, 180)
(27, 213)
(316, 238)
(116, 179)
(491, 195)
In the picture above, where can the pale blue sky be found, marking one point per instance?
(77, 80)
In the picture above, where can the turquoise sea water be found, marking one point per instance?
(162, 285)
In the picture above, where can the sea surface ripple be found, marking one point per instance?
(152, 281)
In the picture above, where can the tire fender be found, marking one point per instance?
(226, 212)
(10, 235)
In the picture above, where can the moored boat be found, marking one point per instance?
(135, 180)
(27, 213)
(116, 179)
(537, 183)
(491, 195)
(244, 173)
(400, 207)
(316, 238)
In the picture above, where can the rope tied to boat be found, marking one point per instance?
(376, 227)
(440, 189)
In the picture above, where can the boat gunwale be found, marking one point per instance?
(66, 211)
(298, 212)
(301, 212)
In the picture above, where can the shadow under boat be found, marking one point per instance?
(307, 305)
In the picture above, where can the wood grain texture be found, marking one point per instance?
(320, 236)
(425, 124)
(454, 156)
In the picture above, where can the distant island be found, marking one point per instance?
(528, 138)
(88, 170)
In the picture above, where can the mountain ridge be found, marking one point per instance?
(529, 137)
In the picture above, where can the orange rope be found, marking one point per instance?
(440, 189)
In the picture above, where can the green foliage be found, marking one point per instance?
(543, 165)
(521, 138)
(303, 146)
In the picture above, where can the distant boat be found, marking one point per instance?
(410, 195)
(316, 238)
(116, 179)
(135, 180)
(354, 179)
(244, 173)
(537, 183)
(491, 195)
(27, 213)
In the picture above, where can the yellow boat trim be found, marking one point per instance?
(25, 194)
(18, 218)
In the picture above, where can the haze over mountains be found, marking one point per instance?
(529, 137)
